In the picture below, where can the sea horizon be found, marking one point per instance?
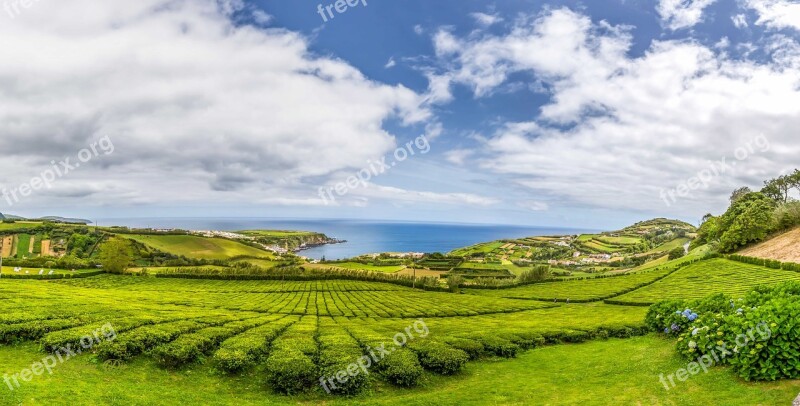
(362, 236)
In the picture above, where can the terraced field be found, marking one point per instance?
(290, 334)
(275, 327)
(708, 277)
(578, 290)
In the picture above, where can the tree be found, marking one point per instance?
(677, 253)
(778, 189)
(748, 220)
(739, 193)
(115, 255)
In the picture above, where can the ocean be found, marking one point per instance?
(363, 236)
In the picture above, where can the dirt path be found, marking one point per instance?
(785, 248)
(8, 243)
(46, 249)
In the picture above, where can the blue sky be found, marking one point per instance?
(563, 113)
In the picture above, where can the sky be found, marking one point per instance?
(592, 114)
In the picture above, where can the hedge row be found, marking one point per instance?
(424, 283)
(141, 339)
(338, 352)
(247, 349)
(189, 348)
(290, 367)
(36, 329)
(769, 263)
(439, 357)
(73, 336)
(56, 276)
(401, 367)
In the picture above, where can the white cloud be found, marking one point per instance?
(776, 13)
(618, 129)
(390, 63)
(458, 156)
(486, 20)
(739, 20)
(415, 196)
(261, 17)
(199, 109)
(418, 29)
(679, 14)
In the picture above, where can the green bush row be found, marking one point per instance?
(401, 367)
(189, 348)
(34, 330)
(73, 336)
(247, 349)
(140, 339)
(290, 367)
(769, 263)
(439, 357)
(338, 353)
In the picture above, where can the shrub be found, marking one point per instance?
(190, 347)
(763, 330)
(290, 372)
(473, 348)
(245, 350)
(677, 253)
(439, 357)
(401, 368)
(498, 346)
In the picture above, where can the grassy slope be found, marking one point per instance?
(783, 248)
(708, 277)
(198, 247)
(587, 289)
(621, 372)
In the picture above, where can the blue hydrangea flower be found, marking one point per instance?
(675, 327)
(666, 330)
(692, 317)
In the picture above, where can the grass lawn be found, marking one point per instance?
(198, 247)
(619, 372)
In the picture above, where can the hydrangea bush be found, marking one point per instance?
(758, 335)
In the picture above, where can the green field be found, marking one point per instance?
(560, 375)
(19, 225)
(365, 267)
(210, 341)
(23, 245)
(581, 289)
(198, 247)
(714, 276)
